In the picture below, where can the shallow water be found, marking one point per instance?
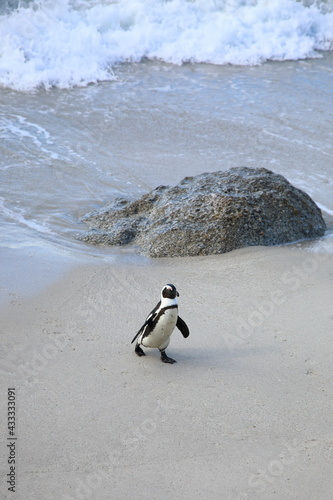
(65, 152)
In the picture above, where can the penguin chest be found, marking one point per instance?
(160, 335)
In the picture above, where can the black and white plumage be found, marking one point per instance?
(160, 323)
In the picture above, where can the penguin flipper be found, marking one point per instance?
(148, 321)
(140, 331)
(182, 326)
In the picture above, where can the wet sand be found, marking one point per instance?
(245, 413)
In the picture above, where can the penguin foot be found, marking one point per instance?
(166, 358)
(139, 351)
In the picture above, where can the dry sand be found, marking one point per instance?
(246, 413)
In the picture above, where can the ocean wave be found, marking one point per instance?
(76, 42)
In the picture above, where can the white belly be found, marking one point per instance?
(160, 336)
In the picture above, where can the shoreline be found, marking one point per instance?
(246, 412)
(43, 261)
(256, 370)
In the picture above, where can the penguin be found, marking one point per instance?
(160, 323)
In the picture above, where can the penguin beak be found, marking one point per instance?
(177, 294)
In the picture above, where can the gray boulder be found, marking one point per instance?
(210, 213)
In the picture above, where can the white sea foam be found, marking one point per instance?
(325, 209)
(76, 42)
(19, 216)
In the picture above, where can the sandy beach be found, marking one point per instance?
(108, 99)
(244, 414)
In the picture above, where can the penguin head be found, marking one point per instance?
(169, 292)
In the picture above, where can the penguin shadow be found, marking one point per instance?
(207, 357)
(204, 358)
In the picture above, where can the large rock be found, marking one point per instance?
(210, 213)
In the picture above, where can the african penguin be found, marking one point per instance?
(160, 323)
